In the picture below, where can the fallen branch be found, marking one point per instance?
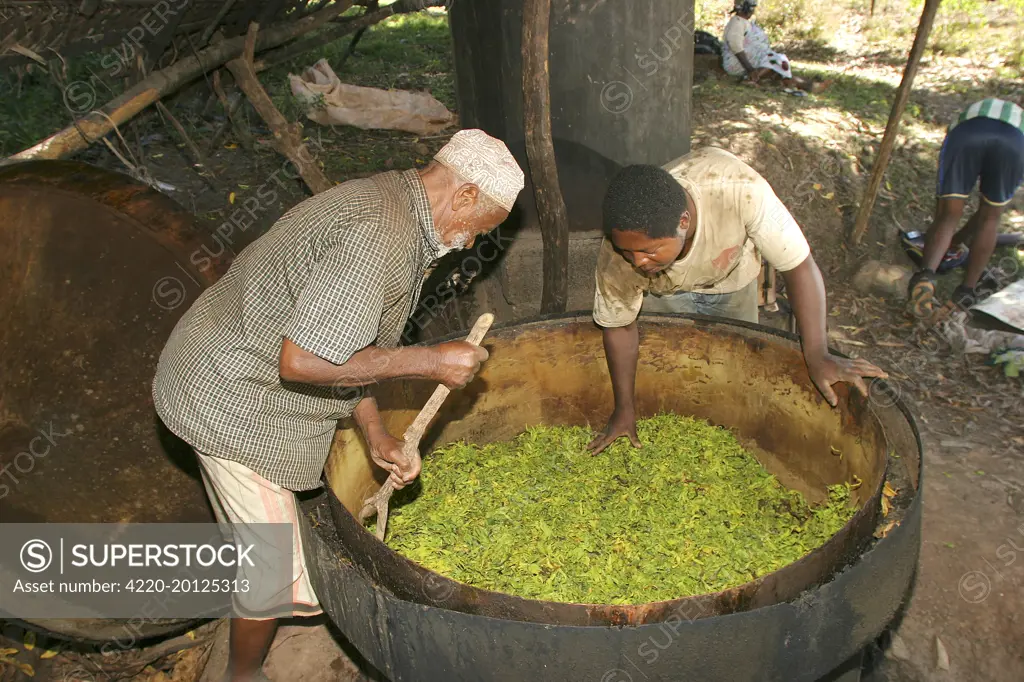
(159, 84)
(208, 31)
(287, 136)
(351, 49)
(372, 6)
(231, 109)
(284, 54)
(198, 159)
(126, 662)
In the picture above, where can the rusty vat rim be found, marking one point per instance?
(151, 211)
(409, 581)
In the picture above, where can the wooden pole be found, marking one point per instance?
(867, 203)
(540, 153)
(159, 84)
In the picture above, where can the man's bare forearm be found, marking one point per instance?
(368, 366)
(621, 350)
(807, 297)
(368, 418)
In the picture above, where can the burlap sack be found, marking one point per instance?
(366, 108)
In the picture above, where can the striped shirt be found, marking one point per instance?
(998, 109)
(340, 271)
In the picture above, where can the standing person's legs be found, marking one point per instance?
(959, 167)
(739, 305)
(242, 497)
(248, 645)
(966, 234)
(983, 242)
(977, 148)
(948, 211)
(921, 289)
(1002, 172)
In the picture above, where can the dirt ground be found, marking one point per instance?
(968, 593)
(965, 621)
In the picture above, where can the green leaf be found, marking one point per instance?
(540, 518)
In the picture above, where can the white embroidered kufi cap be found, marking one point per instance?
(486, 162)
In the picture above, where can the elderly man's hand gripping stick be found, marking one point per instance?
(409, 453)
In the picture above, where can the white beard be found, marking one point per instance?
(458, 243)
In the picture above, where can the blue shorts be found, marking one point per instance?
(982, 148)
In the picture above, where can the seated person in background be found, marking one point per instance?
(746, 51)
(987, 142)
(688, 238)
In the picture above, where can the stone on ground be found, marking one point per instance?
(881, 279)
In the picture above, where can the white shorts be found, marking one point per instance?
(241, 496)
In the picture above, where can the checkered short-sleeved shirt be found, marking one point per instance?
(340, 271)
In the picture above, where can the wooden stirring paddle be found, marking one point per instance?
(378, 504)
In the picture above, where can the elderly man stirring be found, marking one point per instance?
(256, 375)
(688, 238)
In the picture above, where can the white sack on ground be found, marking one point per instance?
(1006, 305)
(968, 340)
(366, 108)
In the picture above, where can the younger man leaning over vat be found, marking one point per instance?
(688, 238)
(260, 369)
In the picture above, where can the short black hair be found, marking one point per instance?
(644, 198)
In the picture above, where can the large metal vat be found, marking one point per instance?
(96, 269)
(802, 622)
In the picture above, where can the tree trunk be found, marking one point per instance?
(867, 203)
(161, 83)
(540, 153)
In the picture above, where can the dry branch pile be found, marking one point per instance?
(242, 55)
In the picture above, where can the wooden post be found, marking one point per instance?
(540, 153)
(889, 139)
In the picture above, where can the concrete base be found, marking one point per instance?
(505, 270)
(520, 277)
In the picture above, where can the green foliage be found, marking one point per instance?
(958, 23)
(794, 19)
(37, 101)
(782, 20)
(689, 513)
(986, 31)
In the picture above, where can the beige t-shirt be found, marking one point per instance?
(738, 220)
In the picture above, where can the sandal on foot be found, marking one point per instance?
(921, 296)
(964, 297)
